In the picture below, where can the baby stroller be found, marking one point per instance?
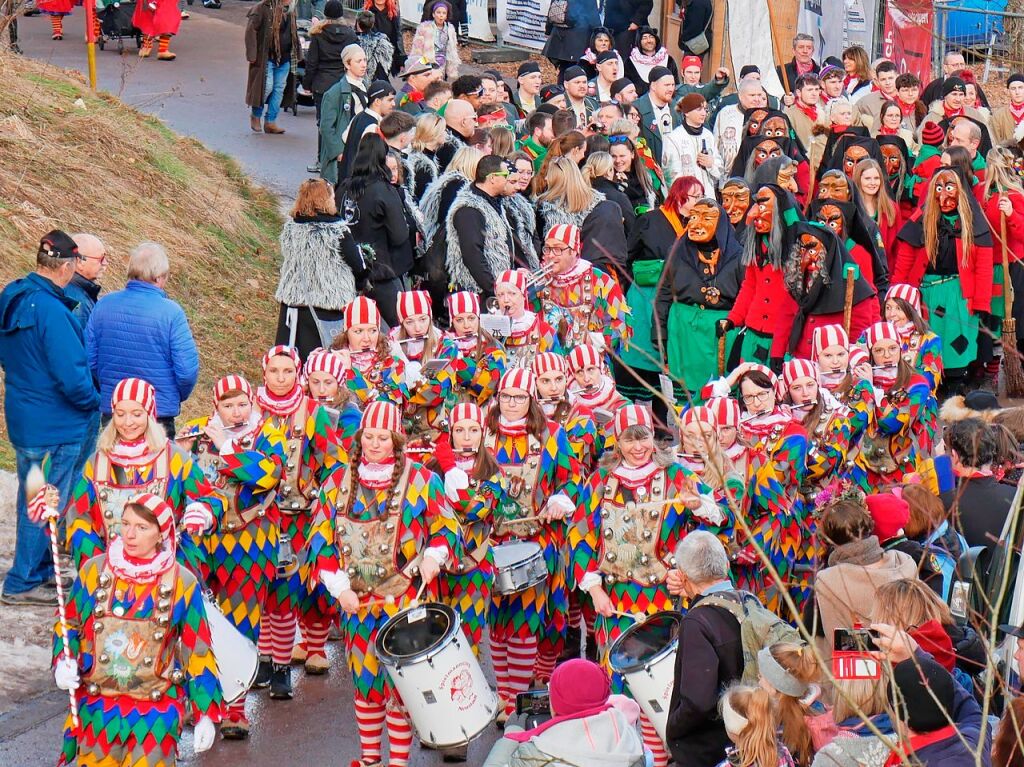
(116, 24)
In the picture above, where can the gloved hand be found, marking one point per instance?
(746, 556)
(65, 674)
(454, 481)
(335, 583)
(197, 518)
(776, 363)
(413, 375)
(722, 327)
(203, 735)
(597, 340)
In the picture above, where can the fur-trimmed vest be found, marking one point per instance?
(415, 162)
(379, 53)
(553, 215)
(313, 271)
(430, 205)
(523, 220)
(496, 252)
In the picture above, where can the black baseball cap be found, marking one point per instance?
(604, 56)
(58, 244)
(573, 73)
(379, 89)
(527, 68)
(549, 92)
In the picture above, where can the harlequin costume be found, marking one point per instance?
(481, 359)
(921, 349)
(387, 517)
(575, 418)
(157, 20)
(128, 468)
(139, 640)
(311, 452)
(540, 469)
(625, 528)
(56, 10)
(600, 397)
(721, 470)
(329, 365)
(530, 334)
(583, 303)
(240, 561)
(375, 372)
(700, 285)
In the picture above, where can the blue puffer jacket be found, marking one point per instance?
(51, 396)
(139, 332)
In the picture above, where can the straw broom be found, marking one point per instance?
(1012, 372)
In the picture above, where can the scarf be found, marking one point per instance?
(134, 453)
(936, 642)
(594, 400)
(699, 130)
(523, 324)
(884, 377)
(883, 131)
(692, 461)
(241, 431)
(918, 742)
(952, 113)
(803, 69)
(134, 570)
(509, 428)
(908, 110)
(572, 275)
(644, 63)
(762, 424)
(862, 552)
(737, 451)
(672, 216)
(375, 475)
(278, 405)
(635, 476)
(466, 464)
(1017, 112)
(363, 361)
(810, 111)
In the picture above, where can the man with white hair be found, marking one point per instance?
(139, 332)
(84, 286)
(710, 654)
(729, 121)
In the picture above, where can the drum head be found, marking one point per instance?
(644, 642)
(414, 632)
(508, 554)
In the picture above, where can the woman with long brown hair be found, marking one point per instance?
(878, 203)
(858, 71)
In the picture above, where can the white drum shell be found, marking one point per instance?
(445, 692)
(651, 687)
(517, 567)
(237, 657)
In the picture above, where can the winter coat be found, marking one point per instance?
(616, 195)
(164, 19)
(567, 44)
(383, 226)
(139, 332)
(320, 263)
(258, 36)
(619, 14)
(709, 658)
(49, 396)
(85, 292)
(380, 54)
(323, 57)
(423, 46)
(1002, 126)
(1014, 225)
(679, 158)
(978, 508)
(339, 105)
(605, 739)
(791, 73)
(392, 29)
(603, 237)
(697, 19)
(649, 126)
(763, 304)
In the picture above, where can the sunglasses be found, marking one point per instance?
(618, 139)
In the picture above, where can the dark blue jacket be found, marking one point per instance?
(85, 292)
(50, 395)
(139, 332)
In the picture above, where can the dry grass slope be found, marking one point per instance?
(100, 166)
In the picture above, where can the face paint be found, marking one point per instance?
(761, 212)
(832, 217)
(834, 186)
(765, 151)
(852, 156)
(947, 190)
(754, 124)
(703, 222)
(774, 127)
(736, 201)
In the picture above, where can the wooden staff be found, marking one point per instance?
(851, 272)
(776, 49)
(1012, 371)
(721, 355)
(34, 482)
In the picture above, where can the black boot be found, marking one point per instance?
(573, 638)
(455, 754)
(263, 672)
(281, 682)
(592, 647)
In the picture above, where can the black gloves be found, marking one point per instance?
(723, 327)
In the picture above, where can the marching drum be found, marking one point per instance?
(645, 655)
(237, 658)
(517, 567)
(433, 667)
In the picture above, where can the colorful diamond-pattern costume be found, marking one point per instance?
(583, 434)
(118, 728)
(830, 442)
(586, 301)
(522, 346)
(481, 362)
(924, 353)
(375, 376)
(423, 403)
(98, 498)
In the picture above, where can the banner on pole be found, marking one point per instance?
(521, 22)
(751, 42)
(908, 36)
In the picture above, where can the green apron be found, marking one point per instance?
(641, 353)
(756, 348)
(693, 346)
(998, 306)
(950, 320)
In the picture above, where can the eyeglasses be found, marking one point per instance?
(618, 139)
(102, 259)
(504, 173)
(513, 399)
(549, 250)
(694, 197)
(756, 399)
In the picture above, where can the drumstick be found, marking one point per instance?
(636, 617)
(416, 599)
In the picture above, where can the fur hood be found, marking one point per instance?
(955, 409)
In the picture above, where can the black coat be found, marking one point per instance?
(568, 44)
(323, 59)
(447, 150)
(709, 658)
(472, 233)
(382, 225)
(604, 239)
(392, 30)
(791, 74)
(610, 190)
(619, 14)
(356, 129)
(985, 503)
(696, 20)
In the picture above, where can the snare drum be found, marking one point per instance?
(518, 566)
(645, 655)
(237, 658)
(432, 665)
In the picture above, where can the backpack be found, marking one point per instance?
(759, 627)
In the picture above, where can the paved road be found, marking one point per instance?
(200, 94)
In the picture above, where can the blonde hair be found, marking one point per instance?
(315, 196)
(598, 165)
(800, 663)
(999, 173)
(757, 745)
(883, 202)
(566, 187)
(907, 603)
(465, 161)
(858, 697)
(503, 141)
(624, 127)
(429, 133)
(430, 343)
(156, 437)
(932, 214)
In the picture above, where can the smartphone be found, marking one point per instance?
(433, 367)
(534, 702)
(854, 640)
(852, 654)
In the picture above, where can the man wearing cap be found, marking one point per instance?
(50, 401)
(607, 64)
(657, 118)
(417, 75)
(554, 95)
(380, 102)
(690, 149)
(692, 69)
(954, 96)
(576, 98)
(538, 137)
(624, 91)
(529, 78)
(1006, 121)
(952, 63)
(480, 241)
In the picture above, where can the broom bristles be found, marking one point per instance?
(1012, 371)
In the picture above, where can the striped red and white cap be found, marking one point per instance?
(467, 411)
(514, 278)
(548, 362)
(631, 415)
(796, 369)
(584, 356)
(412, 303)
(908, 293)
(826, 336)
(519, 378)
(160, 509)
(881, 331)
(282, 350)
(135, 390)
(702, 414)
(568, 234)
(324, 361)
(726, 411)
(858, 356)
(361, 311)
(232, 383)
(381, 414)
(463, 302)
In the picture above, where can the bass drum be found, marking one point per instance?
(236, 654)
(433, 667)
(645, 655)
